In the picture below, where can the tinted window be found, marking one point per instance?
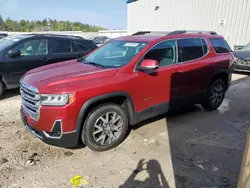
(164, 53)
(190, 49)
(33, 47)
(220, 45)
(78, 47)
(88, 43)
(61, 45)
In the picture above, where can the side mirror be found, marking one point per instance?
(14, 53)
(149, 64)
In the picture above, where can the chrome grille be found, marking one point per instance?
(30, 100)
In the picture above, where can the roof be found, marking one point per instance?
(140, 38)
(48, 35)
(150, 38)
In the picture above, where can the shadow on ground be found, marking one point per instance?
(10, 93)
(206, 148)
(156, 178)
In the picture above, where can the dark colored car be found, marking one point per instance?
(243, 59)
(99, 40)
(126, 81)
(19, 54)
(3, 35)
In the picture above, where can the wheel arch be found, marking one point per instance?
(224, 75)
(122, 98)
(3, 81)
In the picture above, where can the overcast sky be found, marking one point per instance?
(110, 14)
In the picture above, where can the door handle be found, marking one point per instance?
(178, 71)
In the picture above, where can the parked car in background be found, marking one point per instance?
(19, 54)
(99, 40)
(242, 63)
(126, 81)
(3, 35)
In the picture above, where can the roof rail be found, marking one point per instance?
(54, 35)
(190, 31)
(141, 33)
(151, 33)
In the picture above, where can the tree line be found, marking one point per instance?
(45, 25)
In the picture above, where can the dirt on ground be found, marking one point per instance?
(186, 148)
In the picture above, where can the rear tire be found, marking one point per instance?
(105, 127)
(215, 95)
(1, 89)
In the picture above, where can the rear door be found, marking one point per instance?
(197, 68)
(61, 50)
(79, 48)
(34, 53)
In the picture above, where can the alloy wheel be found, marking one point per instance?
(217, 95)
(107, 128)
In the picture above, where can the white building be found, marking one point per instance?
(230, 18)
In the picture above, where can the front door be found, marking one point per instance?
(156, 89)
(34, 53)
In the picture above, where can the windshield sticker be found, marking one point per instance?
(131, 44)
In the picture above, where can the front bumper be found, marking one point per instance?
(242, 66)
(67, 140)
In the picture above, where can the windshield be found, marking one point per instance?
(8, 41)
(115, 53)
(247, 47)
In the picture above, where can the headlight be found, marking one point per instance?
(56, 100)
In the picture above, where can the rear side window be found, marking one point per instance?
(79, 47)
(61, 45)
(220, 45)
(190, 49)
(89, 44)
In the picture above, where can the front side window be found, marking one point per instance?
(33, 47)
(190, 49)
(60, 45)
(115, 53)
(220, 45)
(164, 53)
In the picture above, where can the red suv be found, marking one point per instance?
(127, 80)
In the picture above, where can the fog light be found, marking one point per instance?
(56, 131)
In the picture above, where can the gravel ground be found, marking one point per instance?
(186, 148)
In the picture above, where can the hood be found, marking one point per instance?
(242, 54)
(64, 73)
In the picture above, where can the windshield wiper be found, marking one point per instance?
(95, 64)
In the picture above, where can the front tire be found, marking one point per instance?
(215, 95)
(105, 127)
(1, 89)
